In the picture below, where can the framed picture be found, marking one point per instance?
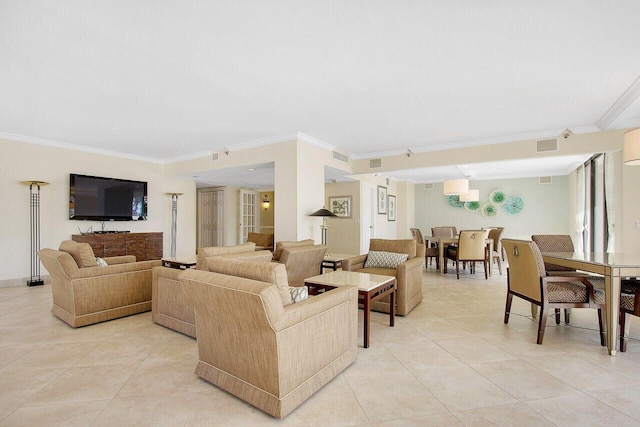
(382, 199)
(341, 206)
(391, 215)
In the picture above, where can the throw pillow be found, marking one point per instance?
(299, 293)
(101, 262)
(81, 253)
(380, 259)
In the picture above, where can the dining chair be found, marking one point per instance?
(629, 304)
(496, 255)
(444, 232)
(527, 279)
(430, 252)
(471, 248)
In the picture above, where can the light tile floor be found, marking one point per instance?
(452, 361)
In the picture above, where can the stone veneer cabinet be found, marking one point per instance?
(145, 246)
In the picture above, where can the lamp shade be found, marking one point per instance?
(322, 212)
(471, 196)
(456, 187)
(632, 147)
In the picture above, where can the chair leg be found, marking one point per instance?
(557, 311)
(499, 265)
(458, 270)
(542, 323)
(534, 311)
(603, 334)
(486, 270)
(507, 308)
(567, 315)
(624, 330)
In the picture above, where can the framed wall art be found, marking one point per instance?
(382, 200)
(391, 215)
(340, 206)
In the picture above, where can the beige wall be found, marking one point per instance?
(23, 161)
(343, 234)
(266, 215)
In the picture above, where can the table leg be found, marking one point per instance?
(392, 307)
(441, 255)
(612, 300)
(367, 318)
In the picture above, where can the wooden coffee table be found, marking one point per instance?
(371, 287)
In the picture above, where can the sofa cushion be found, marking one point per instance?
(268, 272)
(221, 250)
(299, 293)
(289, 244)
(261, 239)
(81, 253)
(382, 259)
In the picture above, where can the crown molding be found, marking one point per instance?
(66, 146)
(626, 99)
(186, 157)
(315, 141)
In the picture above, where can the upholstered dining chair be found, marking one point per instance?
(496, 256)
(527, 279)
(629, 304)
(555, 243)
(471, 248)
(431, 252)
(444, 232)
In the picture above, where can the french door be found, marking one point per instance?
(249, 220)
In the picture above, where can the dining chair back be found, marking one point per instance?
(496, 256)
(527, 279)
(554, 243)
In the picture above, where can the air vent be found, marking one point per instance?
(544, 145)
(340, 156)
(428, 186)
(544, 180)
(214, 157)
(375, 163)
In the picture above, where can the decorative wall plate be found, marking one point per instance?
(497, 197)
(455, 202)
(514, 205)
(472, 206)
(489, 210)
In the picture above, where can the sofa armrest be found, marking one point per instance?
(314, 305)
(255, 256)
(412, 264)
(84, 273)
(354, 263)
(123, 259)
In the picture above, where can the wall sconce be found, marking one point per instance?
(265, 202)
(456, 187)
(631, 154)
(471, 196)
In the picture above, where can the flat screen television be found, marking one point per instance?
(106, 199)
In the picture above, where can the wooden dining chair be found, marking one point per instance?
(629, 304)
(430, 252)
(527, 279)
(471, 248)
(496, 256)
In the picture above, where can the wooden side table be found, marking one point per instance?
(181, 263)
(333, 261)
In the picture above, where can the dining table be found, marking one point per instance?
(442, 242)
(614, 267)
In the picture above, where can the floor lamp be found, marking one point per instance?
(174, 221)
(34, 190)
(324, 213)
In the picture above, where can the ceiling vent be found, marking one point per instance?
(544, 180)
(428, 186)
(544, 145)
(375, 163)
(214, 157)
(340, 156)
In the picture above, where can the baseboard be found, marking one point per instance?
(22, 281)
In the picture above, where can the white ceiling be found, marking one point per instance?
(166, 80)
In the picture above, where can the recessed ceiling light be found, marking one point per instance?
(251, 169)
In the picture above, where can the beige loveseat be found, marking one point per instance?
(85, 293)
(259, 347)
(169, 306)
(408, 274)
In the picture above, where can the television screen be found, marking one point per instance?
(106, 199)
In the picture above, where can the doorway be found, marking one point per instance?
(210, 217)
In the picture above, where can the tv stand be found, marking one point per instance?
(145, 246)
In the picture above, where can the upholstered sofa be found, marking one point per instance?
(260, 347)
(169, 306)
(85, 293)
(408, 274)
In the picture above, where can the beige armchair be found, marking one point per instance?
(408, 274)
(92, 294)
(169, 305)
(263, 241)
(271, 355)
(302, 262)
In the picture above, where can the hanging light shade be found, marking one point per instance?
(471, 196)
(632, 147)
(456, 187)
